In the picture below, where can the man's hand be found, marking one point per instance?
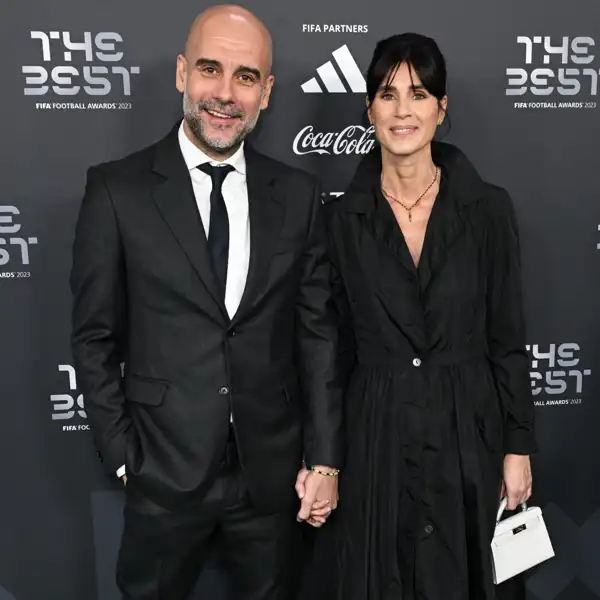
(319, 495)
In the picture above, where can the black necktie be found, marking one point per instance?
(218, 230)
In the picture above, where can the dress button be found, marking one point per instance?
(224, 391)
(428, 528)
(417, 362)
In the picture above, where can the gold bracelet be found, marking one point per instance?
(333, 473)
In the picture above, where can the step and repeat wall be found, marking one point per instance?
(84, 82)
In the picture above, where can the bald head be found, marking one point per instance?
(225, 78)
(235, 26)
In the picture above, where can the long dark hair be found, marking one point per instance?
(421, 54)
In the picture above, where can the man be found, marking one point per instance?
(201, 265)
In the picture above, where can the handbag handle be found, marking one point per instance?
(503, 505)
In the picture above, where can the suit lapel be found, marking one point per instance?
(445, 225)
(459, 188)
(266, 213)
(364, 197)
(384, 227)
(174, 198)
(446, 222)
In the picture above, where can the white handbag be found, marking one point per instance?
(520, 542)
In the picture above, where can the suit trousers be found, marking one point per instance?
(163, 552)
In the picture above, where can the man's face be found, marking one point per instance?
(225, 83)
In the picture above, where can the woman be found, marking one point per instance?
(439, 407)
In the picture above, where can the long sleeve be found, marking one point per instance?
(506, 327)
(317, 343)
(98, 319)
(341, 306)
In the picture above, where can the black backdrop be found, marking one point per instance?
(85, 82)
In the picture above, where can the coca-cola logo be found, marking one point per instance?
(354, 139)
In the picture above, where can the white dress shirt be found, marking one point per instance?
(235, 195)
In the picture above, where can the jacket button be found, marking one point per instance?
(428, 529)
(224, 391)
(231, 333)
(417, 362)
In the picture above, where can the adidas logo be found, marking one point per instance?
(332, 81)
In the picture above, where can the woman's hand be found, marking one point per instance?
(517, 483)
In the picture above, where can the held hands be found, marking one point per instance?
(517, 483)
(319, 495)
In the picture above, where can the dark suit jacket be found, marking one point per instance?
(144, 295)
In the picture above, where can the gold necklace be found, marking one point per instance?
(409, 208)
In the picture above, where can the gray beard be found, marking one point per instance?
(191, 114)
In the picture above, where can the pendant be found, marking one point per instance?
(409, 217)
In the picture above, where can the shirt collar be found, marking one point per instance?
(194, 157)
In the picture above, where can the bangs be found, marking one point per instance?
(419, 53)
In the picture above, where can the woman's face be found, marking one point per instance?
(405, 115)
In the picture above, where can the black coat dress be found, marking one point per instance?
(439, 390)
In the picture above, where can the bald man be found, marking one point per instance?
(202, 333)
